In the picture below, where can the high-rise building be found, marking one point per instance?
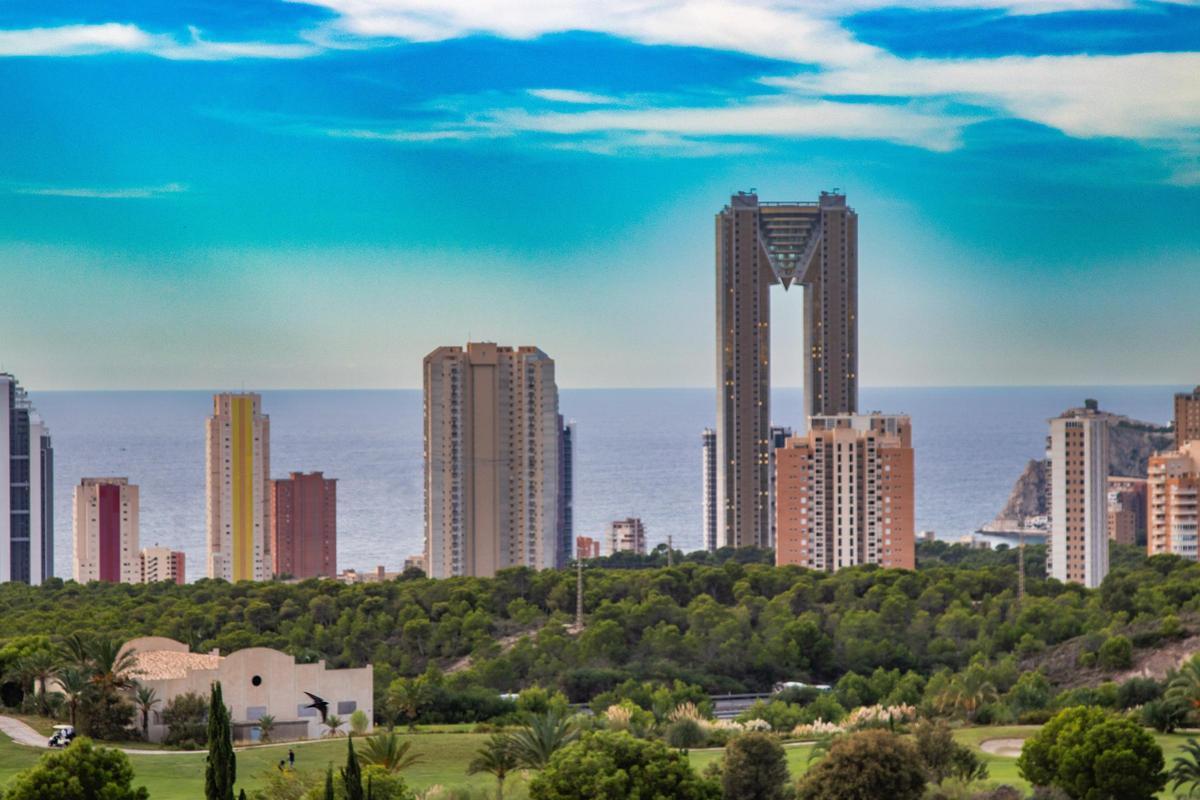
(845, 493)
(1079, 497)
(1173, 487)
(627, 536)
(106, 531)
(238, 451)
(26, 488)
(1126, 509)
(779, 436)
(758, 245)
(492, 443)
(708, 468)
(163, 564)
(1187, 417)
(304, 526)
(586, 547)
(566, 491)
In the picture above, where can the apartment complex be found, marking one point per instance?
(758, 245)
(708, 477)
(1173, 487)
(1187, 417)
(586, 547)
(566, 491)
(627, 536)
(1126, 509)
(845, 493)
(105, 527)
(492, 445)
(304, 526)
(162, 564)
(238, 454)
(26, 488)
(1079, 497)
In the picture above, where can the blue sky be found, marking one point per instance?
(306, 194)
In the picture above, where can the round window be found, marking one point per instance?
(256, 680)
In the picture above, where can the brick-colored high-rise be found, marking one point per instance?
(492, 449)
(845, 493)
(1187, 417)
(1174, 486)
(758, 245)
(586, 547)
(1126, 509)
(106, 531)
(304, 525)
(1079, 497)
(238, 453)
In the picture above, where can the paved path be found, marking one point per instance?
(21, 733)
(1010, 748)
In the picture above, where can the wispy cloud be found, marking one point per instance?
(103, 193)
(112, 37)
(574, 97)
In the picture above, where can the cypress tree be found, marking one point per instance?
(242, 795)
(329, 784)
(352, 774)
(221, 770)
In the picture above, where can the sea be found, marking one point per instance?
(638, 453)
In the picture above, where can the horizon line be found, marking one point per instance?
(210, 390)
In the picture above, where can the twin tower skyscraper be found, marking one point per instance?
(760, 245)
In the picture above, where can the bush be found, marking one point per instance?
(685, 733)
(1164, 715)
(1116, 653)
(754, 768)
(106, 716)
(1137, 692)
(81, 772)
(943, 757)
(1038, 716)
(186, 718)
(868, 765)
(1091, 755)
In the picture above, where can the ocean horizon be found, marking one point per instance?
(637, 454)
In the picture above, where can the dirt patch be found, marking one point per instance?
(1009, 748)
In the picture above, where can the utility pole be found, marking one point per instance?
(579, 595)
(1020, 566)
(670, 553)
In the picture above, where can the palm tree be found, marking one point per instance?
(388, 751)
(1184, 685)
(496, 758)
(1186, 769)
(74, 651)
(39, 669)
(333, 722)
(541, 737)
(266, 724)
(145, 699)
(408, 696)
(112, 668)
(73, 682)
(968, 692)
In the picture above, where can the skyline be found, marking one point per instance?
(315, 195)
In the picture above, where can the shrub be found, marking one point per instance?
(685, 733)
(1137, 692)
(81, 772)
(754, 768)
(943, 757)
(186, 718)
(1116, 653)
(1164, 715)
(866, 766)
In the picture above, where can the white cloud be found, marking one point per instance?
(112, 37)
(107, 193)
(574, 97)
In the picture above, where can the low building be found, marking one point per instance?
(1126, 509)
(627, 536)
(163, 564)
(415, 562)
(255, 682)
(586, 547)
(377, 575)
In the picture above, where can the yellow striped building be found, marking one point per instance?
(238, 453)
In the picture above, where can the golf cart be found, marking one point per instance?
(63, 734)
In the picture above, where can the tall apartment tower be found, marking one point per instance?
(708, 469)
(1187, 417)
(845, 494)
(26, 488)
(492, 444)
(106, 531)
(1173, 486)
(779, 436)
(566, 492)
(1079, 497)
(759, 245)
(304, 526)
(238, 451)
(163, 564)
(627, 536)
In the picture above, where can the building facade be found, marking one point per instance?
(492, 444)
(758, 245)
(238, 454)
(105, 527)
(566, 491)
(708, 502)
(26, 488)
(627, 536)
(304, 526)
(586, 547)
(846, 494)
(1173, 485)
(1079, 497)
(1126, 509)
(1187, 417)
(163, 564)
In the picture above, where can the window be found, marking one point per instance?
(347, 706)
(255, 713)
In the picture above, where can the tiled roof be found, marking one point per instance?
(159, 665)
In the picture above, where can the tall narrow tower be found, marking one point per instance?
(26, 488)
(238, 451)
(758, 245)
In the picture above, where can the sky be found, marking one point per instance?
(316, 193)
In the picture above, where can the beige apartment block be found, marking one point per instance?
(845, 493)
(163, 564)
(1079, 497)
(1174, 485)
(1187, 417)
(106, 531)
(255, 682)
(627, 536)
(759, 245)
(238, 454)
(492, 449)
